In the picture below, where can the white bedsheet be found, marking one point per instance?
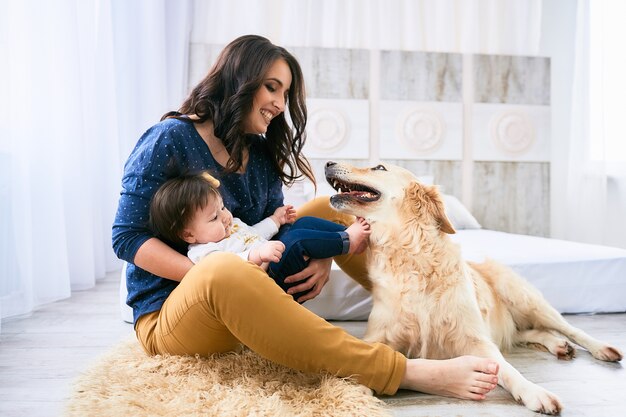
(574, 277)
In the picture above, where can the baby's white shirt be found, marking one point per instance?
(242, 239)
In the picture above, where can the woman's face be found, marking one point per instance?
(269, 100)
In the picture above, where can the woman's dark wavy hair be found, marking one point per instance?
(226, 94)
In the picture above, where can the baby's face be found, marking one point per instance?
(211, 224)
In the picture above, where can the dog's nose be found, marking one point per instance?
(330, 164)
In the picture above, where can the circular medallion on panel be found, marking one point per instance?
(328, 129)
(420, 129)
(513, 132)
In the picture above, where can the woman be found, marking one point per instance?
(233, 124)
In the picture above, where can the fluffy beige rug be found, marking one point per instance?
(127, 382)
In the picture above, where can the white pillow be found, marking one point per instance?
(458, 214)
(426, 179)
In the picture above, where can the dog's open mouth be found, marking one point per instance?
(356, 191)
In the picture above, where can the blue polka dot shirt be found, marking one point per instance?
(168, 149)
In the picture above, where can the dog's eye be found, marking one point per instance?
(379, 168)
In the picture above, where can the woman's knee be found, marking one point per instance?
(221, 270)
(317, 207)
(320, 207)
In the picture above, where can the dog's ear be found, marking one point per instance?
(424, 197)
(439, 210)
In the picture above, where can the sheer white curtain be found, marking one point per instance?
(80, 80)
(468, 26)
(596, 182)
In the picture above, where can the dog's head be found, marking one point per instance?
(386, 194)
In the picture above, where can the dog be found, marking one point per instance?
(427, 302)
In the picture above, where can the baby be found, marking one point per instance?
(189, 209)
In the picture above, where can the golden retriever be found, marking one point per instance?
(428, 302)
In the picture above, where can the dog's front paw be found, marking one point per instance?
(540, 400)
(564, 351)
(608, 353)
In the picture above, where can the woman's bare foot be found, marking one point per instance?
(466, 377)
(359, 233)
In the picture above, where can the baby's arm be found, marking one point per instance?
(270, 251)
(283, 215)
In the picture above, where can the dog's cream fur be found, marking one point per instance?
(429, 303)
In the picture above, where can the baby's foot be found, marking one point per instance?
(359, 233)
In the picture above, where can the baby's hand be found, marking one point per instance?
(284, 214)
(271, 251)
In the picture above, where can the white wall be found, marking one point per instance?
(557, 42)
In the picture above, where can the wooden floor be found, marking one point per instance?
(40, 356)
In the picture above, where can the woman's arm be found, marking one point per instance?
(156, 257)
(157, 156)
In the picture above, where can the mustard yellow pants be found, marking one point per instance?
(224, 301)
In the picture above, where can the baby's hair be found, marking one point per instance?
(176, 202)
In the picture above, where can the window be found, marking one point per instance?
(607, 82)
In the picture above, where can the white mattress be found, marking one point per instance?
(574, 277)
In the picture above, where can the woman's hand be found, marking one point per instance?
(313, 277)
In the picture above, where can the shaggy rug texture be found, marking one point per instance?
(127, 382)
